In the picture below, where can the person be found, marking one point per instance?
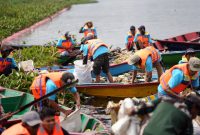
(96, 50)
(143, 38)
(46, 83)
(129, 39)
(145, 59)
(174, 117)
(88, 28)
(7, 63)
(65, 45)
(49, 126)
(188, 54)
(29, 124)
(179, 77)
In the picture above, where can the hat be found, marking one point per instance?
(141, 27)
(133, 59)
(189, 51)
(194, 64)
(31, 118)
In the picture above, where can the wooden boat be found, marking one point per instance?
(118, 89)
(179, 43)
(11, 100)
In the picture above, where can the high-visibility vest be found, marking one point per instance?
(144, 39)
(16, 129)
(4, 63)
(88, 30)
(130, 37)
(56, 131)
(38, 86)
(187, 79)
(154, 53)
(66, 43)
(93, 45)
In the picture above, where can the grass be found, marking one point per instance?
(16, 15)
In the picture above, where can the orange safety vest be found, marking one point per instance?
(16, 129)
(56, 131)
(38, 86)
(65, 43)
(165, 77)
(130, 37)
(4, 63)
(88, 30)
(93, 45)
(144, 39)
(154, 53)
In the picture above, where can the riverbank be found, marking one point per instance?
(19, 14)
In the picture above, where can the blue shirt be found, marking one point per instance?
(51, 86)
(148, 65)
(59, 43)
(175, 80)
(145, 35)
(11, 60)
(94, 29)
(99, 51)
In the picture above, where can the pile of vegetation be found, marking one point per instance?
(16, 15)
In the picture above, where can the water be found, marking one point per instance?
(112, 18)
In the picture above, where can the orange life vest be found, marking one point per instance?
(16, 129)
(165, 77)
(154, 53)
(130, 37)
(93, 45)
(56, 131)
(38, 86)
(66, 43)
(144, 39)
(88, 30)
(4, 63)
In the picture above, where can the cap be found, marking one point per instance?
(194, 64)
(31, 118)
(189, 51)
(132, 27)
(133, 59)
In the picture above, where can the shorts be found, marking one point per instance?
(101, 63)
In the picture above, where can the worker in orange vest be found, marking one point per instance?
(143, 38)
(186, 57)
(46, 83)
(28, 126)
(96, 50)
(49, 126)
(129, 39)
(179, 77)
(88, 28)
(145, 59)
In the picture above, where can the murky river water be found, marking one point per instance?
(112, 18)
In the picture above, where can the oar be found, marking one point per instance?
(39, 99)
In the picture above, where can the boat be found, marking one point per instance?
(118, 90)
(179, 43)
(12, 100)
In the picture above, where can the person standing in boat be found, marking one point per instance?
(145, 59)
(7, 63)
(179, 77)
(143, 38)
(88, 28)
(96, 50)
(129, 39)
(188, 54)
(46, 83)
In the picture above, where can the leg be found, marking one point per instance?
(159, 69)
(134, 75)
(105, 67)
(97, 68)
(148, 76)
(110, 78)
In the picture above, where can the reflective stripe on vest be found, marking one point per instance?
(154, 53)
(38, 86)
(143, 54)
(144, 39)
(4, 63)
(93, 45)
(165, 77)
(56, 131)
(89, 30)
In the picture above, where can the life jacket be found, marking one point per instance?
(38, 86)
(187, 79)
(154, 53)
(16, 129)
(4, 63)
(93, 45)
(56, 131)
(130, 37)
(88, 30)
(144, 39)
(66, 43)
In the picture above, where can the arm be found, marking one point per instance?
(14, 65)
(54, 105)
(82, 29)
(73, 90)
(134, 76)
(149, 39)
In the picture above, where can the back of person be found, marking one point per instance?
(16, 129)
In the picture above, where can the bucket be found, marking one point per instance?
(83, 72)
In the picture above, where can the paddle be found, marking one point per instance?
(38, 100)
